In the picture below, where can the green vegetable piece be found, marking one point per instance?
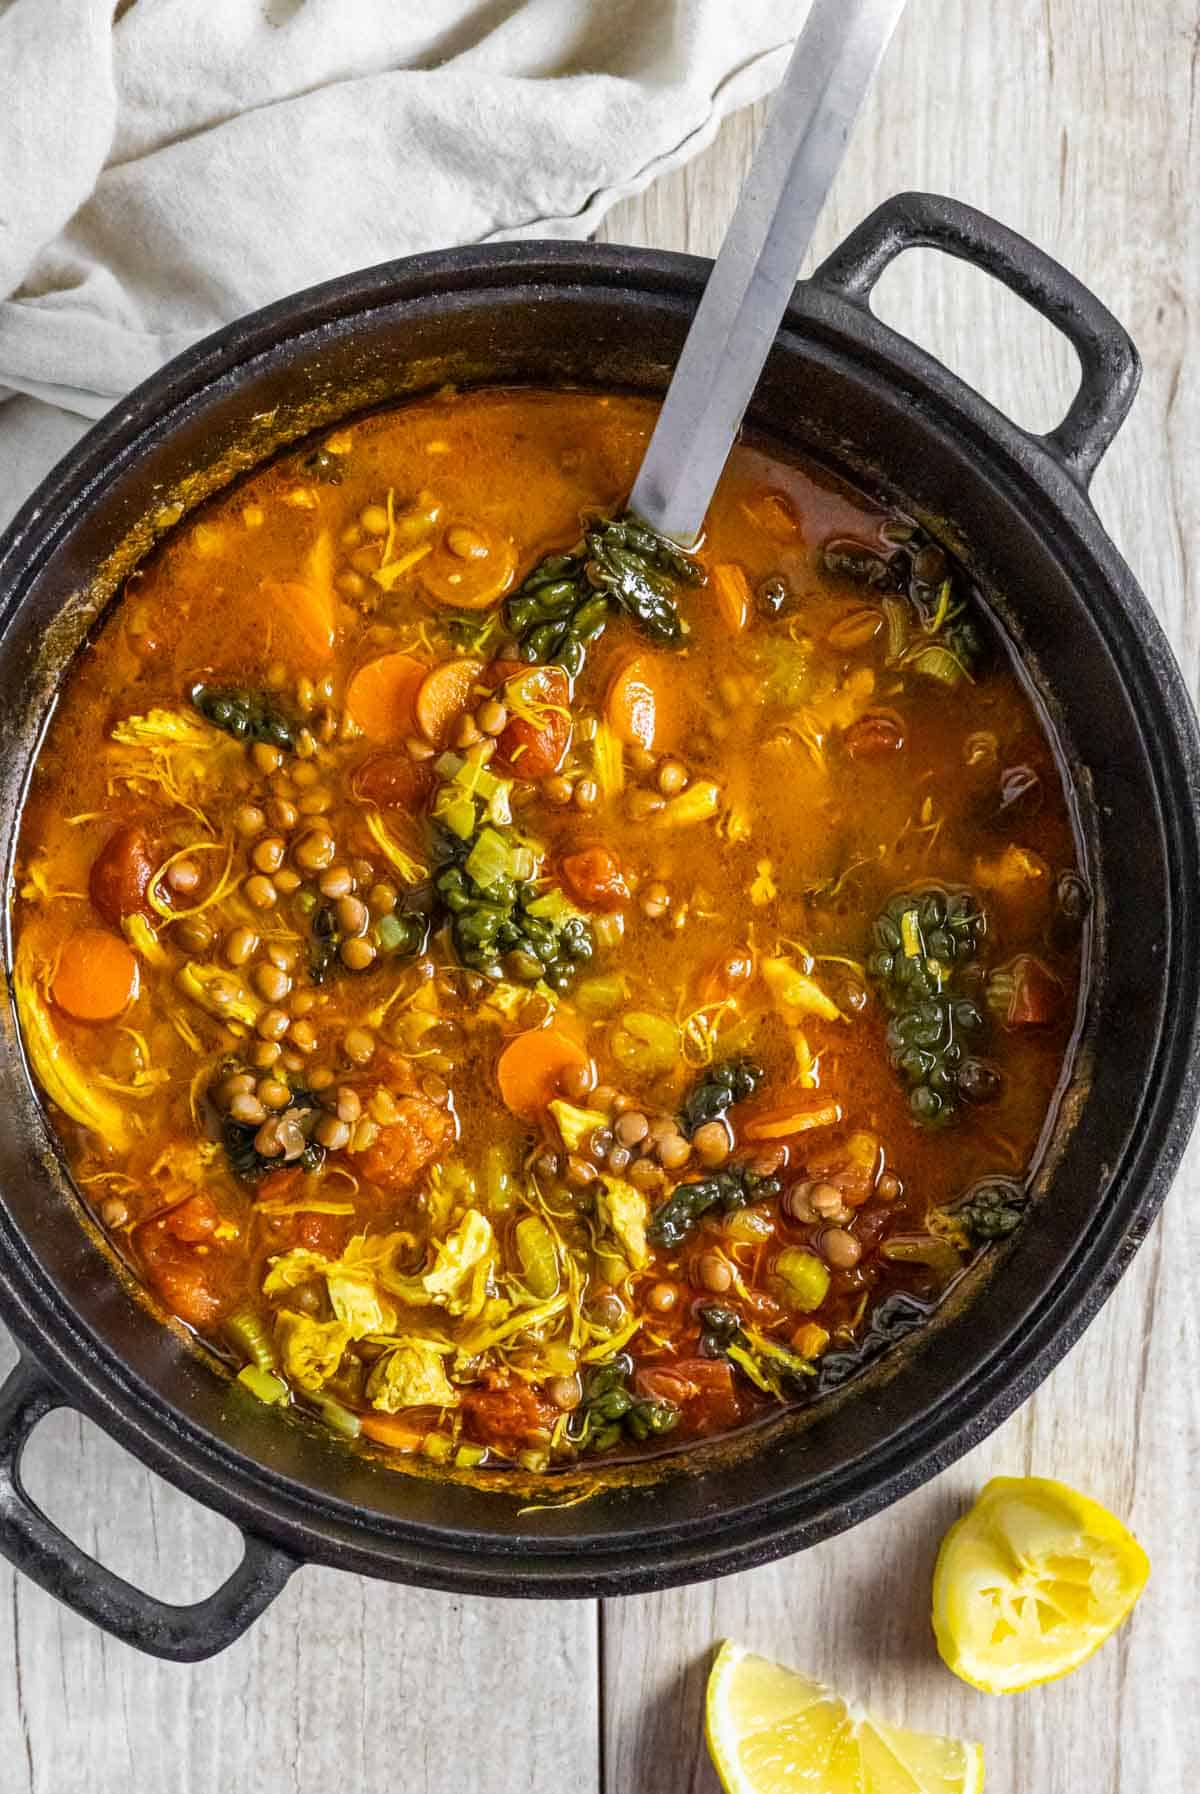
(644, 1044)
(489, 860)
(263, 1385)
(991, 1211)
(731, 1188)
(770, 1366)
(246, 715)
(620, 565)
(716, 1090)
(927, 944)
(247, 1332)
(538, 1256)
(337, 1417)
(609, 1412)
(805, 1276)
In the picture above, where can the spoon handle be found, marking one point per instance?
(827, 79)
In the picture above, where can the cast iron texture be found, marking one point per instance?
(840, 386)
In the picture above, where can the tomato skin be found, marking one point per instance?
(393, 782)
(593, 876)
(121, 874)
(702, 1387)
(874, 736)
(529, 751)
(1037, 996)
(193, 1220)
(509, 1417)
(405, 1146)
(187, 1281)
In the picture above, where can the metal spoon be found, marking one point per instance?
(827, 79)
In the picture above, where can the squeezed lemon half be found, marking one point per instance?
(774, 1731)
(1030, 1582)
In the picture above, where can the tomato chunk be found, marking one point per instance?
(121, 874)
(702, 1387)
(594, 877)
(509, 1417)
(418, 1135)
(532, 749)
(393, 782)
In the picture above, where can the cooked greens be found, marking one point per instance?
(620, 565)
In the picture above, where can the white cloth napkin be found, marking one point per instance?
(167, 168)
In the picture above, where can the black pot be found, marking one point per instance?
(841, 387)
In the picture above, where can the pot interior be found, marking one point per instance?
(832, 393)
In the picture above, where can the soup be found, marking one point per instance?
(521, 993)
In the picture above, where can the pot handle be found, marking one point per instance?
(1109, 363)
(40, 1551)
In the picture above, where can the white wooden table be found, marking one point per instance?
(1079, 124)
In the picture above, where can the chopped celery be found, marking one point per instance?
(602, 994)
(447, 765)
(489, 860)
(247, 1331)
(437, 1446)
(497, 1178)
(644, 1043)
(391, 933)
(554, 906)
(805, 1276)
(538, 1255)
(457, 814)
(261, 1383)
(337, 1418)
(468, 1456)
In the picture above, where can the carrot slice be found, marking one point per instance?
(444, 695)
(531, 1066)
(381, 696)
(797, 1118)
(733, 596)
(96, 977)
(470, 569)
(394, 1430)
(631, 703)
(305, 610)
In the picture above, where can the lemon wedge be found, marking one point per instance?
(774, 1731)
(1030, 1582)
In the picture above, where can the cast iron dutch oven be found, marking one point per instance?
(841, 387)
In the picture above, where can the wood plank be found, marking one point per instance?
(1079, 126)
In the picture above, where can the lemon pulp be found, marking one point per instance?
(772, 1730)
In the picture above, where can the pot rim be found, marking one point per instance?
(320, 1528)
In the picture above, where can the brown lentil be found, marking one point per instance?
(315, 850)
(194, 934)
(359, 1047)
(259, 892)
(557, 789)
(713, 1273)
(356, 954)
(712, 1143)
(267, 856)
(271, 982)
(655, 901)
(332, 1133)
(839, 1248)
